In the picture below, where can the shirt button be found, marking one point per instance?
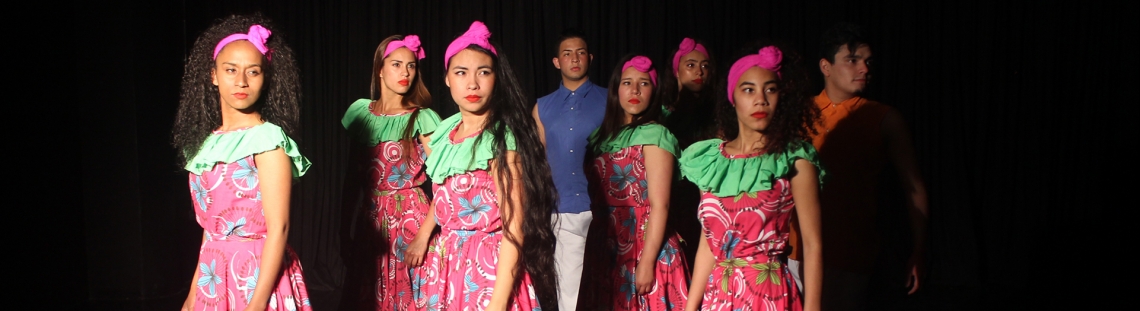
(571, 129)
(571, 150)
(571, 108)
(573, 173)
(576, 194)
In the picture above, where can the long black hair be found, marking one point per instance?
(508, 108)
(417, 96)
(796, 113)
(615, 115)
(199, 109)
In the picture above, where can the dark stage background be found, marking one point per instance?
(1017, 120)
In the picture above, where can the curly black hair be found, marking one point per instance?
(615, 115)
(796, 113)
(841, 34)
(199, 107)
(509, 109)
(416, 97)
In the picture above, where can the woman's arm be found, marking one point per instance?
(275, 174)
(417, 249)
(508, 252)
(659, 176)
(805, 192)
(702, 268)
(189, 304)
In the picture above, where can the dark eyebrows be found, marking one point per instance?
(236, 65)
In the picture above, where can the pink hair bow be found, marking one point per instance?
(687, 45)
(477, 34)
(768, 58)
(412, 42)
(642, 64)
(257, 35)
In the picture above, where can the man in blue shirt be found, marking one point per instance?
(565, 120)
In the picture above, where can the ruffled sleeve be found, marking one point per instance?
(367, 128)
(232, 146)
(449, 158)
(645, 134)
(705, 165)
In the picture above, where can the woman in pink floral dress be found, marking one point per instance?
(391, 130)
(232, 128)
(633, 171)
(493, 192)
(750, 184)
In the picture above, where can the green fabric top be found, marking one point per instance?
(228, 147)
(705, 165)
(365, 127)
(449, 158)
(645, 134)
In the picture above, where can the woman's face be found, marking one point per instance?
(756, 95)
(238, 75)
(398, 71)
(471, 79)
(692, 70)
(634, 91)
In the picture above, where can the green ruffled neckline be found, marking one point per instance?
(705, 164)
(645, 134)
(228, 147)
(366, 127)
(448, 158)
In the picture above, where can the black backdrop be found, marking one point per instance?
(1016, 117)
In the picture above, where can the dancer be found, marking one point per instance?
(750, 183)
(565, 120)
(390, 130)
(633, 168)
(689, 87)
(239, 105)
(493, 192)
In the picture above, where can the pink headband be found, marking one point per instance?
(687, 45)
(477, 34)
(257, 35)
(642, 64)
(412, 42)
(768, 58)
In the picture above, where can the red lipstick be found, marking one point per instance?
(473, 98)
(634, 101)
(759, 114)
(403, 82)
(240, 95)
(698, 81)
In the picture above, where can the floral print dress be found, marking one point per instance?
(746, 203)
(619, 170)
(224, 187)
(467, 210)
(398, 205)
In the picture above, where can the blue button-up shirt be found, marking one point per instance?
(568, 117)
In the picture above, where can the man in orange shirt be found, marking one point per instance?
(856, 139)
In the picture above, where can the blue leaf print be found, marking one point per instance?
(668, 304)
(246, 172)
(622, 176)
(471, 288)
(251, 284)
(463, 235)
(666, 254)
(401, 248)
(199, 192)
(644, 186)
(208, 277)
(235, 228)
(730, 242)
(631, 222)
(433, 303)
(417, 285)
(474, 208)
(399, 175)
(627, 286)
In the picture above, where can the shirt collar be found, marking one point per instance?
(583, 90)
(824, 102)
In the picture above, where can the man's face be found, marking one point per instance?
(851, 71)
(573, 59)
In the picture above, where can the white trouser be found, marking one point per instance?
(797, 273)
(570, 231)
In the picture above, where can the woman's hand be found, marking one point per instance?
(414, 256)
(189, 304)
(644, 277)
